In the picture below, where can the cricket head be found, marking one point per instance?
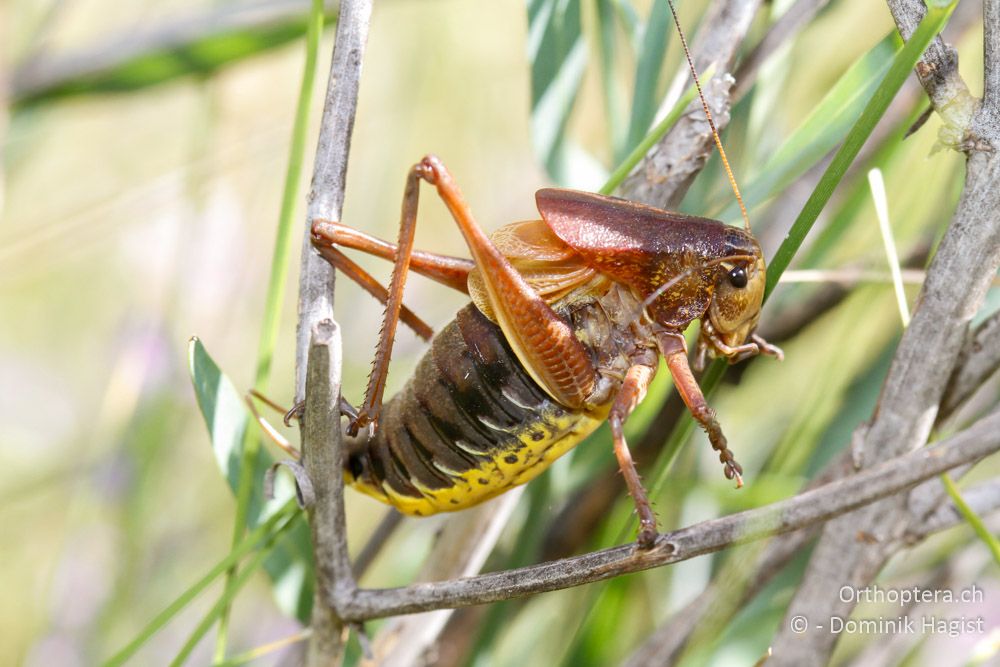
(734, 312)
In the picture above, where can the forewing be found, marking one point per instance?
(641, 246)
(552, 268)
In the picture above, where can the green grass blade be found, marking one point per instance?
(973, 519)
(289, 200)
(558, 56)
(162, 58)
(232, 588)
(276, 288)
(274, 299)
(648, 68)
(259, 652)
(252, 540)
(222, 408)
(902, 64)
(822, 130)
(290, 563)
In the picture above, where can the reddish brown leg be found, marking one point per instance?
(372, 406)
(633, 389)
(551, 352)
(345, 265)
(451, 272)
(674, 352)
(543, 341)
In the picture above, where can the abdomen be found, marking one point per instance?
(469, 425)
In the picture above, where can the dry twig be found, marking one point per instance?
(318, 344)
(664, 175)
(320, 455)
(979, 359)
(820, 504)
(712, 608)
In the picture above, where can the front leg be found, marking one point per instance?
(674, 352)
(709, 340)
(766, 348)
(759, 346)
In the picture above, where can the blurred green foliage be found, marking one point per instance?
(195, 53)
(290, 564)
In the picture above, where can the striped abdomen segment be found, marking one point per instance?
(470, 424)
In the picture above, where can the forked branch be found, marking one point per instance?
(318, 344)
(957, 280)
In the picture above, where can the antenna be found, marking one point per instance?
(711, 121)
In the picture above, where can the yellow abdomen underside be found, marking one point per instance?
(533, 448)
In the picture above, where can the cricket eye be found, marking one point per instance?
(738, 277)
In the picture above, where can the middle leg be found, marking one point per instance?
(633, 389)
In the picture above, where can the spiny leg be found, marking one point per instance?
(632, 391)
(544, 342)
(674, 352)
(349, 268)
(372, 406)
(450, 271)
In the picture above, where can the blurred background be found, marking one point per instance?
(139, 212)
